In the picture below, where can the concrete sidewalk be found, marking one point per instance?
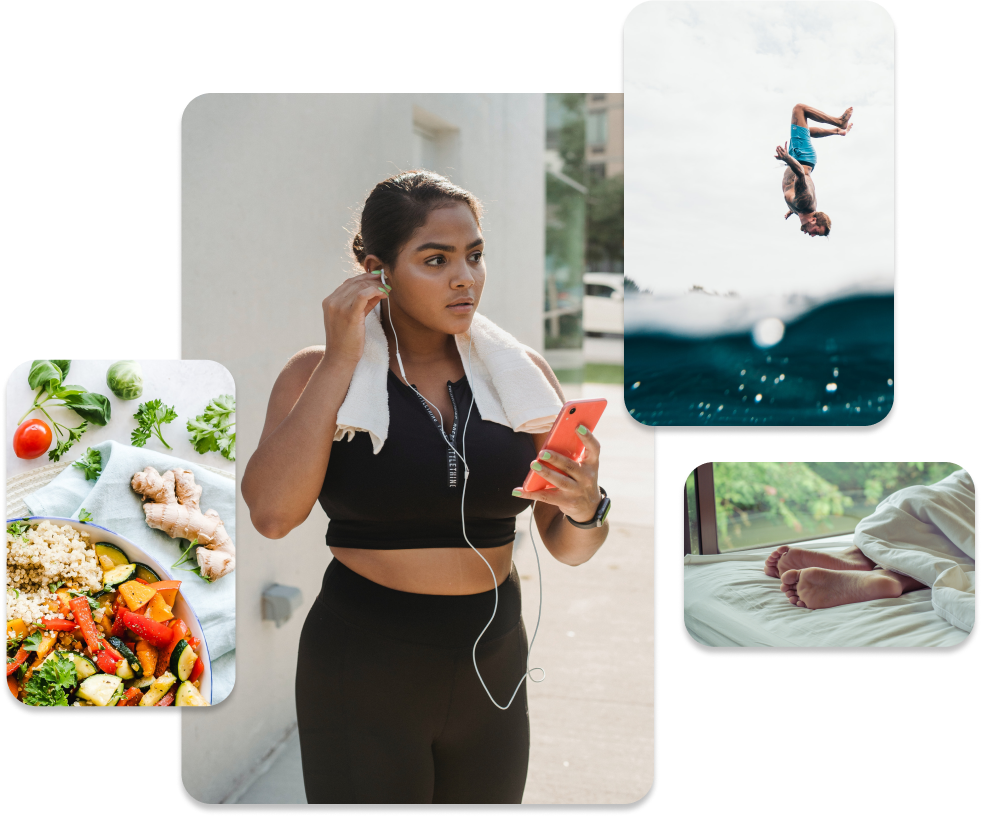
(592, 719)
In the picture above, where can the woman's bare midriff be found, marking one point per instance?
(443, 571)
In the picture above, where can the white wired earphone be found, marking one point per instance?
(463, 519)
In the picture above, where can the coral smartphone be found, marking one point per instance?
(563, 437)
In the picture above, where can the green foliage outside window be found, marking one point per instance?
(761, 503)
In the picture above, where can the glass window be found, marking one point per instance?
(759, 504)
(596, 130)
(691, 506)
(599, 290)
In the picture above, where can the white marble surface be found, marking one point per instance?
(188, 385)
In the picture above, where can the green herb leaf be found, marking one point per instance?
(214, 430)
(44, 372)
(90, 464)
(18, 528)
(74, 434)
(54, 587)
(49, 685)
(150, 416)
(32, 642)
(84, 515)
(64, 365)
(89, 406)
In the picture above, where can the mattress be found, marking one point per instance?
(729, 601)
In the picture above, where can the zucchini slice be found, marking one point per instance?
(182, 660)
(118, 575)
(147, 574)
(112, 552)
(123, 671)
(188, 695)
(144, 682)
(135, 666)
(100, 688)
(158, 689)
(84, 667)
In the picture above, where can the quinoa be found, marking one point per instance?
(47, 555)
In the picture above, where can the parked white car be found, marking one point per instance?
(602, 303)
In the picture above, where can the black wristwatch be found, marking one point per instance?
(600, 516)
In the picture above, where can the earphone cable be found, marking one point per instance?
(463, 521)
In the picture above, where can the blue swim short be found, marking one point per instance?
(801, 147)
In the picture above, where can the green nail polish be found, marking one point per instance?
(536, 466)
(383, 291)
(581, 430)
(376, 271)
(389, 288)
(516, 493)
(546, 455)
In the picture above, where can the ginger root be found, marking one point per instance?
(172, 506)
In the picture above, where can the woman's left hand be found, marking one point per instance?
(576, 491)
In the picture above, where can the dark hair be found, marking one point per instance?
(398, 206)
(822, 220)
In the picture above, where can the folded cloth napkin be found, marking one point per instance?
(115, 506)
(510, 389)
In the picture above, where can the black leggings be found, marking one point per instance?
(389, 707)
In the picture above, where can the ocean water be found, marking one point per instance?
(833, 366)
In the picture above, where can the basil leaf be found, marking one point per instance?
(64, 365)
(43, 372)
(93, 407)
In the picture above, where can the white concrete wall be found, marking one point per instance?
(271, 185)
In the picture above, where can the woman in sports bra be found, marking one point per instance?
(389, 706)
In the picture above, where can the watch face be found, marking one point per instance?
(605, 513)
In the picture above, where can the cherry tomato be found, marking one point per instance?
(32, 439)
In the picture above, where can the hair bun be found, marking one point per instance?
(357, 246)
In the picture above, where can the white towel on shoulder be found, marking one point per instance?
(510, 388)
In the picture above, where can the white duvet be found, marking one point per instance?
(927, 533)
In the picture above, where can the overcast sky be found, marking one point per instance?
(709, 91)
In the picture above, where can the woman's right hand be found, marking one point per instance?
(345, 310)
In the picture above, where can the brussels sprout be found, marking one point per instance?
(125, 379)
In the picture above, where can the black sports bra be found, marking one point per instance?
(408, 495)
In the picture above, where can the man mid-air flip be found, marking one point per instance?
(798, 187)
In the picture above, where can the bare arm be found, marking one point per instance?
(284, 476)
(791, 162)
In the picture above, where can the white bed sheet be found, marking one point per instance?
(730, 601)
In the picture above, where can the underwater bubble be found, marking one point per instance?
(759, 397)
(763, 378)
(720, 408)
(889, 382)
(743, 373)
(835, 372)
(824, 408)
(783, 376)
(858, 409)
(831, 387)
(636, 385)
(741, 386)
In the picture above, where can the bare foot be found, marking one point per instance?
(785, 558)
(843, 131)
(816, 588)
(844, 120)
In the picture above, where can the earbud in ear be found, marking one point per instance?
(384, 282)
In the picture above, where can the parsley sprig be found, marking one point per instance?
(51, 682)
(214, 430)
(90, 464)
(150, 416)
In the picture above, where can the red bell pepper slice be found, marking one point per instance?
(153, 632)
(106, 662)
(58, 625)
(17, 662)
(83, 617)
(197, 671)
(132, 697)
(118, 627)
(193, 642)
(140, 580)
(168, 698)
